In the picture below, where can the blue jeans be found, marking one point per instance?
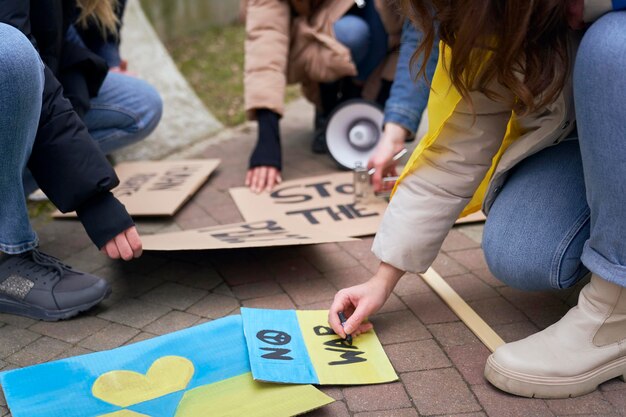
(362, 31)
(125, 111)
(21, 91)
(562, 212)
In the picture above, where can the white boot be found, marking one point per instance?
(574, 355)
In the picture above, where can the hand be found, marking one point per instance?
(359, 302)
(575, 10)
(391, 143)
(122, 68)
(263, 178)
(126, 245)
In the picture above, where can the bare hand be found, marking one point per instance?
(575, 10)
(263, 178)
(126, 245)
(359, 302)
(391, 143)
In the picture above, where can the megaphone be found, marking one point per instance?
(353, 131)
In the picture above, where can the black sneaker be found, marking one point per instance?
(40, 286)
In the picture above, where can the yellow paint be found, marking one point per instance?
(124, 413)
(243, 396)
(376, 368)
(443, 100)
(167, 375)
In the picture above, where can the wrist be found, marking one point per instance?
(395, 134)
(387, 276)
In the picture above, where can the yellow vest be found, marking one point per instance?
(444, 98)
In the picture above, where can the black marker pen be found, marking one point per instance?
(342, 319)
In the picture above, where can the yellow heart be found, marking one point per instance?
(125, 388)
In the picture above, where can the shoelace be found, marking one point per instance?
(49, 263)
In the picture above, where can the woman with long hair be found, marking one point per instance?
(527, 122)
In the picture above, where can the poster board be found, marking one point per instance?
(322, 202)
(158, 188)
(299, 347)
(200, 371)
(258, 234)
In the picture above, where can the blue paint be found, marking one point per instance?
(298, 369)
(63, 388)
(619, 4)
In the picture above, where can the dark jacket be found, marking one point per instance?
(66, 162)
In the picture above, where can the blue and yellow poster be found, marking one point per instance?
(299, 347)
(197, 372)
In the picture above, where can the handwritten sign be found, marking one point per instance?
(299, 347)
(322, 202)
(200, 371)
(158, 188)
(241, 235)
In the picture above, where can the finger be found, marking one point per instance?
(260, 179)
(249, 177)
(364, 328)
(255, 174)
(271, 179)
(132, 235)
(356, 319)
(123, 247)
(111, 250)
(339, 304)
(279, 178)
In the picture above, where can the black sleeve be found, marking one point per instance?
(66, 162)
(267, 151)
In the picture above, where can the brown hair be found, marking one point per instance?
(100, 12)
(522, 44)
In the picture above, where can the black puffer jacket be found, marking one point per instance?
(66, 162)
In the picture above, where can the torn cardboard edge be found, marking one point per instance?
(158, 188)
(265, 233)
(467, 315)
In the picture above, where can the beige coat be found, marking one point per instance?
(292, 41)
(447, 173)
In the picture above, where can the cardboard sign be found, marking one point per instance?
(158, 188)
(241, 235)
(299, 347)
(324, 202)
(201, 371)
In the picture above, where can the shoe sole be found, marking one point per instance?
(532, 386)
(11, 306)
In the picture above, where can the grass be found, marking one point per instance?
(212, 62)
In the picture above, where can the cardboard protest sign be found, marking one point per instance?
(158, 188)
(323, 202)
(299, 347)
(241, 235)
(197, 372)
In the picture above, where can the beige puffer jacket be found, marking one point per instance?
(292, 41)
(447, 173)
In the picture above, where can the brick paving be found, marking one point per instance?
(438, 359)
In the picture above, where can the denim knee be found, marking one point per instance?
(150, 117)
(354, 33)
(602, 50)
(22, 69)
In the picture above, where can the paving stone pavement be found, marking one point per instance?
(439, 360)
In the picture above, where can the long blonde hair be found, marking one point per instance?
(100, 12)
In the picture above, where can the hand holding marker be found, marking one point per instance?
(342, 319)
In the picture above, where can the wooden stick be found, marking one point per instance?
(472, 320)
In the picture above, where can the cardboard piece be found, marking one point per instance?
(471, 319)
(241, 235)
(477, 217)
(158, 188)
(197, 372)
(298, 347)
(323, 202)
